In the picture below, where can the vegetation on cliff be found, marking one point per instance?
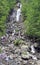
(5, 6)
(31, 12)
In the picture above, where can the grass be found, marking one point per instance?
(18, 42)
(0, 50)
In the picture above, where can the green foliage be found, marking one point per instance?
(18, 42)
(31, 9)
(0, 50)
(5, 6)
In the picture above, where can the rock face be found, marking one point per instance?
(21, 53)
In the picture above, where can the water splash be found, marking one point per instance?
(32, 49)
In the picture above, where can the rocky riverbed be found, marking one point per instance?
(15, 49)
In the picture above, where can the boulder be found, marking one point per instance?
(25, 56)
(38, 62)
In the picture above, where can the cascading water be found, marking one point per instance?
(32, 49)
(19, 5)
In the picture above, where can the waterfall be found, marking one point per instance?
(18, 12)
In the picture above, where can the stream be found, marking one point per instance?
(16, 50)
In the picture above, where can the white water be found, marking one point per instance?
(32, 49)
(18, 13)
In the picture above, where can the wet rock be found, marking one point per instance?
(25, 56)
(38, 62)
(11, 45)
(8, 31)
(1, 63)
(24, 53)
(22, 34)
(6, 49)
(11, 56)
(4, 41)
(34, 57)
(16, 33)
(31, 62)
(3, 48)
(20, 59)
(35, 45)
(18, 51)
(14, 48)
(24, 48)
(38, 56)
(11, 38)
(22, 37)
(3, 55)
(15, 56)
(24, 62)
(7, 58)
(17, 61)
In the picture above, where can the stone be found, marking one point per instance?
(24, 62)
(31, 62)
(24, 52)
(15, 56)
(25, 57)
(22, 37)
(3, 48)
(38, 56)
(11, 56)
(38, 62)
(20, 59)
(6, 48)
(11, 45)
(34, 57)
(35, 44)
(7, 58)
(24, 47)
(11, 38)
(13, 34)
(3, 55)
(1, 63)
(17, 51)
